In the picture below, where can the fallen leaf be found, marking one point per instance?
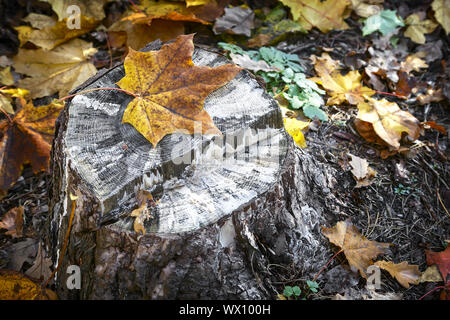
(432, 50)
(143, 212)
(21, 252)
(325, 15)
(387, 121)
(442, 13)
(413, 63)
(172, 96)
(384, 63)
(404, 273)
(434, 125)
(416, 28)
(5, 104)
(246, 62)
(385, 21)
(361, 171)
(59, 70)
(236, 20)
(294, 127)
(324, 64)
(16, 286)
(27, 139)
(441, 259)
(51, 37)
(13, 222)
(40, 21)
(358, 250)
(431, 274)
(40, 270)
(365, 9)
(88, 8)
(6, 78)
(344, 88)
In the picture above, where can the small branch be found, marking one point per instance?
(431, 291)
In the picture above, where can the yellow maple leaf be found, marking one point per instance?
(384, 121)
(404, 273)
(325, 15)
(344, 88)
(170, 90)
(358, 250)
(417, 28)
(59, 70)
(51, 36)
(442, 13)
(294, 127)
(6, 77)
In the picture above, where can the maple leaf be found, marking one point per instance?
(404, 273)
(414, 63)
(88, 8)
(26, 139)
(442, 13)
(344, 88)
(16, 286)
(442, 260)
(50, 37)
(418, 27)
(387, 121)
(6, 77)
(358, 250)
(13, 222)
(59, 70)
(170, 90)
(325, 15)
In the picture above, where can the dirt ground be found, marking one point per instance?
(408, 204)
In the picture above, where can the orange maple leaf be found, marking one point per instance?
(170, 90)
(26, 138)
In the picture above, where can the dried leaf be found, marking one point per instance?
(27, 139)
(88, 8)
(364, 9)
(40, 270)
(13, 222)
(442, 13)
(171, 97)
(404, 273)
(358, 250)
(359, 167)
(143, 212)
(59, 70)
(417, 28)
(236, 20)
(413, 63)
(20, 252)
(431, 274)
(16, 286)
(434, 125)
(50, 37)
(246, 62)
(387, 121)
(325, 15)
(6, 78)
(441, 259)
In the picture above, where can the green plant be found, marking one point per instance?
(289, 82)
(292, 292)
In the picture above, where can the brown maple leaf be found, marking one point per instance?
(13, 222)
(404, 273)
(358, 250)
(26, 138)
(170, 90)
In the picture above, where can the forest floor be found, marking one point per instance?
(407, 204)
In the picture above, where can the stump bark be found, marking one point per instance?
(227, 208)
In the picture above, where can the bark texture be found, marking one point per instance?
(219, 226)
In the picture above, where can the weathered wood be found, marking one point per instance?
(219, 224)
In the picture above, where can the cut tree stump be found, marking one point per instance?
(226, 209)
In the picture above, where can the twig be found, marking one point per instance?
(431, 291)
(317, 275)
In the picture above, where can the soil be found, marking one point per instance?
(407, 204)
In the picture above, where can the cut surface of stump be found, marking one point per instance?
(225, 207)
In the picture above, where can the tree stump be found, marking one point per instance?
(239, 204)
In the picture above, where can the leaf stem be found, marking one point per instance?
(431, 291)
(96, 89)
(6, 114)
